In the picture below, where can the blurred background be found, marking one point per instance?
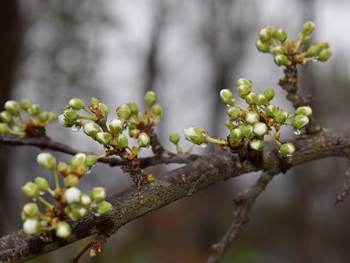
(185, 51)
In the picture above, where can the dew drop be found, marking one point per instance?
(289, 155)
(97, 214)
(88, 170)
(235, 121)
(203, 145)
(75, 128)
(41, 192)
(297, 131)
(34, 199)
(228, 105)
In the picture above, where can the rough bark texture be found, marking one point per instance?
(219, 165)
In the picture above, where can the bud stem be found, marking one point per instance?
(275, 140)
(50, 206)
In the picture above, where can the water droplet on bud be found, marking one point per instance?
(203, 145)
(34, 199)
(88, 170)
(97, 214)
(289, 155)
(235, 121)
(41, 192)
(297, 131)
(75, 128)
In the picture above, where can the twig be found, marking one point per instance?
(244, 202)
(345, 189)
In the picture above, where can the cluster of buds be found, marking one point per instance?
(14, 123)
(251, 125)
(72, 203)
(286, 51)
(112, 134)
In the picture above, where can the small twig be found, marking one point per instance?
(345, 189)
(244, 202)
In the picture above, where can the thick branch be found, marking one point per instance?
(219, 165)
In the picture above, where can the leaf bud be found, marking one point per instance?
(12, 107)
(257, 145)
(76, 104)
(91, 129)
(103, 137)
(123, 112)
(227, 97)
(143, 140)
(150, 99)
(300, 121)
(174, 138)
(287, 148)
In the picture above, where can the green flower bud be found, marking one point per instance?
(52, 117)
(243, 81)
(64, 121)
(46, 160)
(4, 129)
(122, 141)
(12, 107)
(104, 110)
(85, 199)
(279, 50)
(230, 125)
(72, 195)
(281, 35)
(271, 30)
(287, 148)
(174, 138)
(78, 213)
(30, 190)
(269, 93)
(260, 129)
(281, 60)
(143, 140)
(62, 229)
(322, 44)
(281, 116)
(265, 35)
(304, 40)
(6, 117)
(247, 130)
(157, 110)
(43, 117)
(312, 51)
(300, 121)
(78, 160)
(42, 183)
(123, 112)
(251, 98)
(25, 104)
(98, 194)
(234, 113)
(227, 97)
(91, 129)
(103, 208)
(196, 135)
(288, 43)
(91, 160)
(263, 47)
(62, 167)
(31, 227)
(271, 110)
(76, 104)
(70, 115)
(252, 117)
(134, 108)
(260, 99)
(324, 55)
(304, 110)
(236, 135)
(150, 99)
(244, 90)
(257, 145)
(117, 125)
(71, 181)
(103, 137)
(94, 102)
(34, 110)
(31, 210)
(308, 28)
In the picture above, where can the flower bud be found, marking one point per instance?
(43, 117)
(62, 167)
(300, 121)
(247, 130)
(250, 98)
(281, 60)
(34, 109)
(46, 160)
(77, 212)
(85, 199)
(271, 30)
(234, 113)
(78, 159)
(91, 129)
(134, 108)
(122, 141)
(94, 102)
(281, 116)
(64, 122)
(281, 35)
(150, 99)
(244, 90)
(236, 135)
(322, 44)
(71, 181)
(104, 110)
(4, 129)
(269, 93)
(308, 28)
(157, 110)
(304, 40)
(62, 229)
(260, 129)
(72, 195)
(265, 35)
(227, 97)
(260, 99)
(257, 145)
(123, 112)
(244, 81)
(143, 140)
(52, 117)
(103, 208)
(31, 210)
(70, 115)
(42, 183)
(91, 160)
(6, 117)
(312, 51)
(76, 104)
(263, 47)
(103, 137)
(287, 148)
(324, 55)
(252, 117)
(30, 190)
(271, 110)
(196, 135)
(279, 50)
(12, 107)
(230, 125)
(25, 104)
(304, 110)
(98, 194)
(174, 138)
(31, 227)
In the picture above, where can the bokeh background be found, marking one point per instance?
(185, 51)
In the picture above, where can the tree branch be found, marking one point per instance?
(219, 165)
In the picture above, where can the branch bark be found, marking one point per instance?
(221, 164)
